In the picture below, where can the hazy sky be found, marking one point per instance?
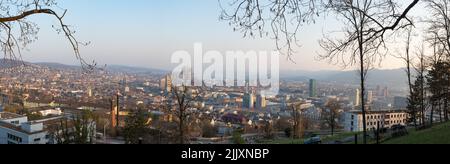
(146, 32)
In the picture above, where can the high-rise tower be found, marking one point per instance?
(312, 88)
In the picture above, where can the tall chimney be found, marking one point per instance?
(117, 109)
(113, 114)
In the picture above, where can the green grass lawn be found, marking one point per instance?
(286, 141)
(340, 137)
(325, 139)
(439, 134)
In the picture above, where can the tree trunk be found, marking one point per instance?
(362, 76)
(440, 111)
(295, 125)
(432, 114)
(181, 125)
(446, 104)
(332, 122)
(422, 95)
(446, 110)
(332, 130)
(408, 67)
(181, 131)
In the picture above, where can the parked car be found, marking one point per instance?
(337, 142)
(313, 140)
(399, 130)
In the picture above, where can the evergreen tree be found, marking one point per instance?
(415, 100)
(436, 83)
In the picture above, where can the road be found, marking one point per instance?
(110, 141)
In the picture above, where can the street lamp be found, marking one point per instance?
(140, 140)
(104, 131)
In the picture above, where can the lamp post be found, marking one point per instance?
(104, 132)
(140, 140)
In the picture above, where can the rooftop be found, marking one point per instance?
(7, 116)
(47, 123)
(378, 111)
(17, 128)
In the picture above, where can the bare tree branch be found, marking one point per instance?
(282, 19)
(16, 32)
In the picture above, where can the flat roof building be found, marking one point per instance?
(16, 129)
(384, 118)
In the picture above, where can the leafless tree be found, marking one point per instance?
(296, 118)
(439, 30)
(331, 114)
(361, 45)
(421, 69)
(183, 102)
(367, 23)
(16, 31)
(439, 24)
(279, 19)
(300, 122)
(283, 19)
(77, 129)
(408, 60)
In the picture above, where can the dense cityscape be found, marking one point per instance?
(42, 94)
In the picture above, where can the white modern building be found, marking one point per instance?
(384, 118)
(16, 129)
(52, 112)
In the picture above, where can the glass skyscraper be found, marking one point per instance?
(312, 88)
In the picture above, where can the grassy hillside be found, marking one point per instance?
(439, 134)
(325, 139)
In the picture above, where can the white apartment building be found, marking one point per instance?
(385, 118)
(16, 129)
(54, 112)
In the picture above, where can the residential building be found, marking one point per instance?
(16, 129)
(358, 97)
(384, 118)
(400, 102)
(369, 97)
